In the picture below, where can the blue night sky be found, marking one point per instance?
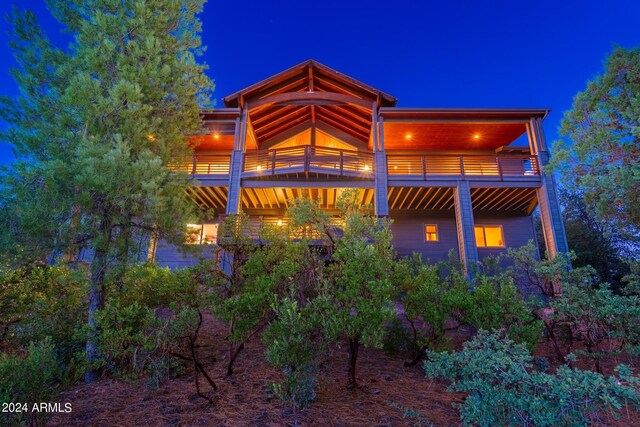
(520, 54)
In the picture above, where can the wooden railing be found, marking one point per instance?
(308, 159)
(257, 225)
(424, 166)
(205, 164)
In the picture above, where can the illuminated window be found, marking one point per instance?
(489, 236)
(201, 234)
(431, 233)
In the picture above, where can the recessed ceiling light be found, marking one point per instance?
(216, 136)
(408, 136)
(476, 136)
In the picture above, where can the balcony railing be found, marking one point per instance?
(205, 164)
(425, 166)
(308, 159)
(256, 224)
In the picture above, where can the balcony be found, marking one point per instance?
(308, 159)
(436, 166)
(205, 164)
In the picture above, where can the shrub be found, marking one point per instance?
(504, 388)
(358, 297)
(40, 302)
(154, 286)
(438, 298)
(30, 379)
(433, 303)
(291, 347)
(605, 322)
(497, 304)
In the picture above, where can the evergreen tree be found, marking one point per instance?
(94, 129)
(603, 160)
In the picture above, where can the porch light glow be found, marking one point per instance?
(151, 138)
(258, 168)
(476, 136)
(216, 136)
(408, 136)
(366, 167)
(279, 223)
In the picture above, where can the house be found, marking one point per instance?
(463, 179)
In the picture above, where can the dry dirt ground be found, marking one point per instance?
(386, 387)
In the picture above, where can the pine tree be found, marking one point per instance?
(95, 128)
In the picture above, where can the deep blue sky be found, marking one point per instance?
(524, 53)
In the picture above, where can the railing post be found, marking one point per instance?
(307, 158)
(273, 162)
(499, 167)
(462, 165)
(424, 167)
(195, 161)
(341, 161)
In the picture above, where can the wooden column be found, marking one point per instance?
(555, 238)
(381, 188)
(465, 228)
(236, 164)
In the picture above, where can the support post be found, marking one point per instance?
(465, 228)
(555, 238)
(381, 188)
(237, 163)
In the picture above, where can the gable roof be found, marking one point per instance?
(310, 76)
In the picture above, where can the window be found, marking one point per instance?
(202, 234)
(489, 236)
(431, 233)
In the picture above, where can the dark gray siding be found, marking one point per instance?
(170, 256)
(409, 236)
(408, 233)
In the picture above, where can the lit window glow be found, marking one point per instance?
(431, 232)
(489, 236)
(201, 234)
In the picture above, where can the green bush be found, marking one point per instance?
(154, 286)
(44, 302)
(497, 304)
(291, 348)
(504, 388)
(30, 379)
(438, 298)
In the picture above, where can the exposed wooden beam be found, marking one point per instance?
(211, 195)
(426, 193)
(433, 196)
(275, 196)
(272, 133)
(370, 194)
(507, 197)
(401, 205)
(418, 191)
(309, 98)
(266, 198)
(447, 192)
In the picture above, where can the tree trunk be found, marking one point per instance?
(233, 355)
(96, 299)
(354, 346)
